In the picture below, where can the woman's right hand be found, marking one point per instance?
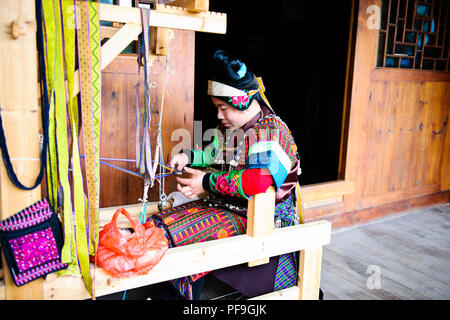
(179, 161)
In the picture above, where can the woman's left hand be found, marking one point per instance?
(193, 186)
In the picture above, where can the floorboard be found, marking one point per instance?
(408, 254)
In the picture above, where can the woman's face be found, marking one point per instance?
(230, 117)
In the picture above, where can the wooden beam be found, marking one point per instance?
(111, 49)
(197, 258)
(291, 293)
(108, 32)
(167, 17)
(21, 121)
(117, 43)
(260, 216)
(191, 5)
(388, 74)
(327, 190)
(160, 40)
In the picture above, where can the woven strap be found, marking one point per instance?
(90, 93)
(138, 119)
(78, 247)
(49, 40)
(145, 162)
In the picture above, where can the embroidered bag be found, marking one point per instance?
(32, 241)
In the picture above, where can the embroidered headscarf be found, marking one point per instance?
(233, 83)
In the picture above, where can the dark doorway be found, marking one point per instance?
(299, 48)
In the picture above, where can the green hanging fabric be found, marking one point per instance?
(49, 54)
(59, 152)
(80, 247)
(60, 56)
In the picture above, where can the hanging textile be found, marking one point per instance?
(58, 144)
(49, 44)
(145, 151)
(79, 248)
(89, 54)
(90, 93)
(59, 48)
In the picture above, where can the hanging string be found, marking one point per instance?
(172, 170)
(145, 166)
(162, 194)
(45, 115)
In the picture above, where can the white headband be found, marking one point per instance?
(222, 90)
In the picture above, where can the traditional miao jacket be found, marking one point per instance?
(267, 144)
(268, 155)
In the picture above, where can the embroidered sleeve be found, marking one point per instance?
(272, 147)
(242, 183)
(227, 183)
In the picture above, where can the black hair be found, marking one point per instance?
(228, 69)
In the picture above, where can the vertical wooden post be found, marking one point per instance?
(260, 216)
(21, 119)
(309, 273)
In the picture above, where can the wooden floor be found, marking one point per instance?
(405, 257)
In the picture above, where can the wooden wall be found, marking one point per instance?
(119, 119)
(397, 148)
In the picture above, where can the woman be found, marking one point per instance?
(253, 149)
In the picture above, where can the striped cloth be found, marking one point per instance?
(287, 269)
(197, 222)
(286, 275)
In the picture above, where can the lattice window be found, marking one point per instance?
(414, 34)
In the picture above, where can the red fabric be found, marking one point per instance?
(256, 181)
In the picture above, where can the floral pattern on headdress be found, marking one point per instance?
(240, 102)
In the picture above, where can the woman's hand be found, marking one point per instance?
(192, 187)
(179, 161)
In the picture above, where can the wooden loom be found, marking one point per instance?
(261, 240)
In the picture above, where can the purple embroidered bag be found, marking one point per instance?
(32, 241)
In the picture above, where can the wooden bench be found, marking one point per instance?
(259, 244)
